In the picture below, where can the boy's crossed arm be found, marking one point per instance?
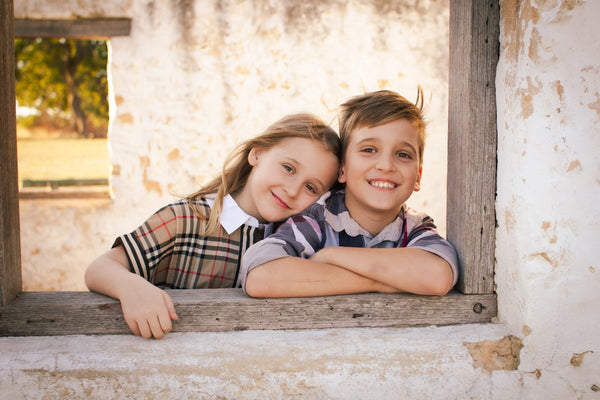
(405, 269)
(347, 270)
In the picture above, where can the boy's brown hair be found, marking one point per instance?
(378, 108)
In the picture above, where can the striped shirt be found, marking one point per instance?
(328, 223)
(168, 249)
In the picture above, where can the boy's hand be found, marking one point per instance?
(147, 309)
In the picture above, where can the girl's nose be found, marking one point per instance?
(293, 188)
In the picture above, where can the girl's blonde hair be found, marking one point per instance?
(236, 168)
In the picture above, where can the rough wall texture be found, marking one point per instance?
(196, 77)
(417, 363)
(547, 272)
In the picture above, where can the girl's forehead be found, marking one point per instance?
(298, 144)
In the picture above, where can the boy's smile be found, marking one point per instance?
(381, 170)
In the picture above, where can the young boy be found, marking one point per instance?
(363, 237)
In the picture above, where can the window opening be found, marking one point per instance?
(474, 33)
(61, 89)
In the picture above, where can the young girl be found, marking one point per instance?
(363, 237)
(198, 242)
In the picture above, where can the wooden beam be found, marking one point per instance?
(472, 139)
(217, 310)
(85, 28)
(10, 247)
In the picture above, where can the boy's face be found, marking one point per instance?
(381, 170)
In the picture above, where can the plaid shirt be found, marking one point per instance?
(168, 249)
(328, 223)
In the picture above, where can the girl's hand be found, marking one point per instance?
(147, 309)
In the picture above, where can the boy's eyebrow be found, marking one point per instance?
(376, 139)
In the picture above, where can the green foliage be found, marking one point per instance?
(65, 81)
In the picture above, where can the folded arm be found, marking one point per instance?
(405, 269)
(299, 277)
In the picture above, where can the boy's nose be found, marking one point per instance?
(385, 163)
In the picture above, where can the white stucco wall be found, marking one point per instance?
(547, 274)
(194, 78)
(547, 277)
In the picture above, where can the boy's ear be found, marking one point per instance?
(254, 155)
(418, 181)
(341, 175)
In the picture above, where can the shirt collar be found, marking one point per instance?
(338, 217)
(232, 216)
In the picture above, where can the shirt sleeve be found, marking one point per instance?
(422, 234)
(149, 246)
(299, 236)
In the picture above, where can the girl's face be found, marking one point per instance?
(286, 179)
(381, 170)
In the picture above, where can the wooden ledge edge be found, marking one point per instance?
(222, 310)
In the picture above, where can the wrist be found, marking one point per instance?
(128, 283)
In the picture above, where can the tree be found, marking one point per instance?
(65, 80)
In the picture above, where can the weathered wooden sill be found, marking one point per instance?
(219, 310)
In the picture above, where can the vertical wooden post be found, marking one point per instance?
(472, 140)
(10, 247)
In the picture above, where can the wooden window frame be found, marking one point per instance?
(472, 138)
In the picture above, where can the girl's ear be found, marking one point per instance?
(418, 181)
(254, 155)
(341, 175)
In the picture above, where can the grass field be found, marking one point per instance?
(49, 159)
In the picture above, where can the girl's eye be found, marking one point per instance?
(311, 189)
(368, 150)
(288, 168)
(404, 155)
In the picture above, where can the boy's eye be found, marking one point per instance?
(368, 150)
(404, 154)
(288, 168)
(311, 188)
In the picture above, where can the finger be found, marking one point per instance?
(145, 330)
(164, 322)
(156, 329)
(164, 314)
(133, 326)
(170, 306)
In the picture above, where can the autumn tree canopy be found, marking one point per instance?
(65, 81)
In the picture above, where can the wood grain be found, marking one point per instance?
(217, 310)
(472, 139)
(10, 245)
(85, 28)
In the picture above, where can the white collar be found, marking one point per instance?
(232, 216)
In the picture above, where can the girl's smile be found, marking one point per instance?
(287, 178)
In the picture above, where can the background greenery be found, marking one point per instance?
(63, 82)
